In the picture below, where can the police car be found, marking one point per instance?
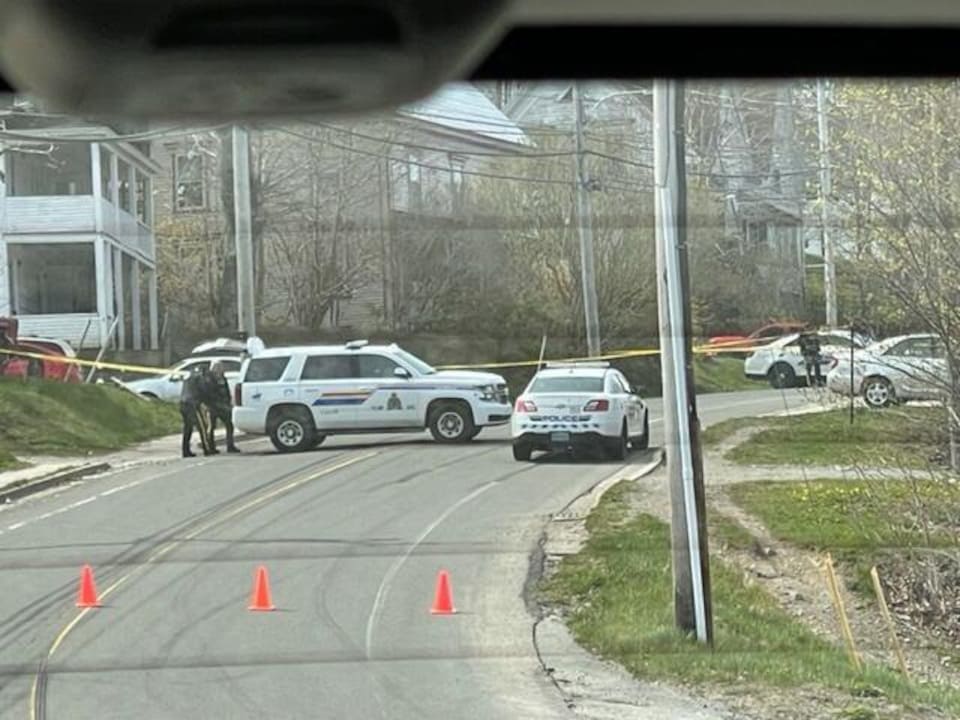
(579, 406)
(300, 395)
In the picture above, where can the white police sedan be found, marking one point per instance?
(574, 406)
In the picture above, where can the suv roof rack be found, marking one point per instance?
(356, 344)
(577, 363)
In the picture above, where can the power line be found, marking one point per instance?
(477, 153)
(135, 137)
(421, 164)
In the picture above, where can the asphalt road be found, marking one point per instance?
(352, 535)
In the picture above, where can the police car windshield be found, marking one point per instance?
(567, 384)
(419, 365)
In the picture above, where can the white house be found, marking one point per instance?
(76, 241)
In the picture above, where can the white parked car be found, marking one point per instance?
(167, 386)
(579, 406)
(907, 367)
(300, 395)
(782, 364)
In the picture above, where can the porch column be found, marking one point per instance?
(95, 174)
(118, 298)
(6, 302)
(135, 298)
(104, 274)
(153, 309)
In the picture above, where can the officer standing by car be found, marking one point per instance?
(810, 349)
(194, 398)
(221, 406)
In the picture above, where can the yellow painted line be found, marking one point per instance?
(173, 544)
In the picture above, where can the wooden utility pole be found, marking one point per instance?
(691, 574)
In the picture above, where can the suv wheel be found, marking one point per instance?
(451, 422)
(292, 431)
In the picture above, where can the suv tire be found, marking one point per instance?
(292, 430)
(643, 442)
(782, 376)
(451, 422)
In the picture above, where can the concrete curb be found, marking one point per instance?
(582, 505)
(23, 488)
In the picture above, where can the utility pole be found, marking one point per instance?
(691, 575)
(585, 226)
(246, 318)
(829, 265)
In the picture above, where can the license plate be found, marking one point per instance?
(560, 437)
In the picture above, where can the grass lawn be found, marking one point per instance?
(905, 436)
(858, 521)
(721, 374)
(618, 595)
(67, 419)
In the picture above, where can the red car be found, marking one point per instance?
(35, 367)
(761, 336)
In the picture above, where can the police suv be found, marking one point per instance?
(300, 395)
(570, 406)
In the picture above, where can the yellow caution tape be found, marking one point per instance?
(144, 369)
(716, 349)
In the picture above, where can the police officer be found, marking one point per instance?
(220, 403)
(193, 396)
(810, 349)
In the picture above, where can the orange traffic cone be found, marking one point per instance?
(443, 598)
(261, 592)
(87, 598)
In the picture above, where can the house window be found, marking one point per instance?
(188, 188)
(63, 170)
(52, 279)
(141, 198)
(414, 190)
(123, 182)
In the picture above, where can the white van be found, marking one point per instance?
(300, 395)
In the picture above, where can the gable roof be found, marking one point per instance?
(462, 108)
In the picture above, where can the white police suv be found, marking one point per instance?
(571, 406)
(300, 395)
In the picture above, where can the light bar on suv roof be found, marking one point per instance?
(356, 344)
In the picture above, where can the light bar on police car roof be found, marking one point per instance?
(576, 364)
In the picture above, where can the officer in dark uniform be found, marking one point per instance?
(810, 349)
(194, 395)
(221, 406)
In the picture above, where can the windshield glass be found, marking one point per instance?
(567, 385)
(416, 363)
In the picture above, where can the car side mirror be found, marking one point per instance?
(401, 373)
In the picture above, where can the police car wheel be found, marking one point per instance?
(522, 452)
(643, 442)
(292, 432)
(451, 423)
(617, 447)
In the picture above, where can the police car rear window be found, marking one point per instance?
(266, 369)
(567, 384)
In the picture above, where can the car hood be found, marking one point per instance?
(467, 377)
